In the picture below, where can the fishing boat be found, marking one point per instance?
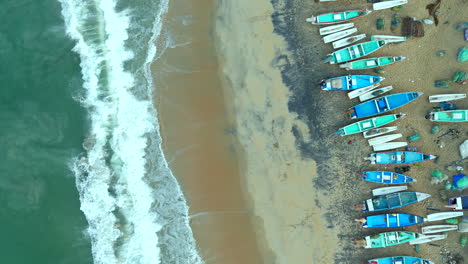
(389, 146)
(458, 203)
(437, 98)
(448, 116)
(391, 201)
(335, 28)
(400, 260)
(399, 157)
(337, 17)
(388, 38)
(375, 93)
(442, 216)
(367, 124)
(427, 238)
(371, 63)
(347, 41)
(388, 4)
(378, 131)
(387, 177)
(383, 139)
(339, 35)
(438, 229)
(387, 239)
(350, 82)
(355, 51)
(388, 190)
(359, 92)
(390, 220)
(382, 104)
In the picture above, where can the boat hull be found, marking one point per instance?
(371, 63)
(400, 260)
(379, 131)
(368, 124)
(347, 41)
(437, 98)
(382, 104)
(399, 157)
(448, 116)
(391, 220)
(392, 201)
(386, 177)
(386, 239)
(337, 17)
(356, 51)
(350, 82)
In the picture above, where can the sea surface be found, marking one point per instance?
(83, 177)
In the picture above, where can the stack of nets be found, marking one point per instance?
(413, 28)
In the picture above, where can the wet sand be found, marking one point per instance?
(247, 130)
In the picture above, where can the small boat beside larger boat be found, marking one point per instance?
(355, 51)
(387, 177)
(399, 157)
(391, 201)
(371, 63)
(368, 124)
(400, 260)
(337, 17)
(350, 82)
(387, 239)
(390, 220)
(382, 104)
(448, 116)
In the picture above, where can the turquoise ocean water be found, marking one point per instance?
(84, 179)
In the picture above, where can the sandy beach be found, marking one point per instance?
(248, 132)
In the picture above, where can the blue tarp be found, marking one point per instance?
(460, 182)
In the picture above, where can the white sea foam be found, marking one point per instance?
(133, 204)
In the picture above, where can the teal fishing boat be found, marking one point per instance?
(400, 260)
(371, 63)
(448, 116)
(355, 51)
(337, 17)
(368, 124)
(387, 239)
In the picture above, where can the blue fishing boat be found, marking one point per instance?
(349, 82)
(382, 104)
(391, 201)
(390, 220)
(400, 260)
(387, 177)
(399, 157)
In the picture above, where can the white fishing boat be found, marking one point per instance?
(387, 190)
(427, 238)
(335, 28)
(389, 145)
(437, 98)
(442, 216)
(375, 93)
(438, 228)
(383, 139)
(339, 35)
(388, 38)
(358, 92)
(388, 4)
(347, 41)
(378, 131)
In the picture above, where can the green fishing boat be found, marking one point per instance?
(355, 51)
(367, 124)
(387, 239)
(337, 17)
(448, 116)
(371, 63)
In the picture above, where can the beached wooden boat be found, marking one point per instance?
(378, 131)
(390, 220)
(367, 124)
(388, 4)
(400, 260)
(442, 216)
(347, 41)
(384, 139)
(339, 35)
(399, 157)
(359, 92)
(448, 116)
(458, 203)
(387, 177)
(335, 28)
(371, 63)
(391, 201)
(437, 98)
(354, 52)
(374, 93)
(388, 190)
(387, 239)
(389, 146)
(438, 229)
(382, 104)
(388, 38)
(337, 17)
(427, 239)
(350, 82)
